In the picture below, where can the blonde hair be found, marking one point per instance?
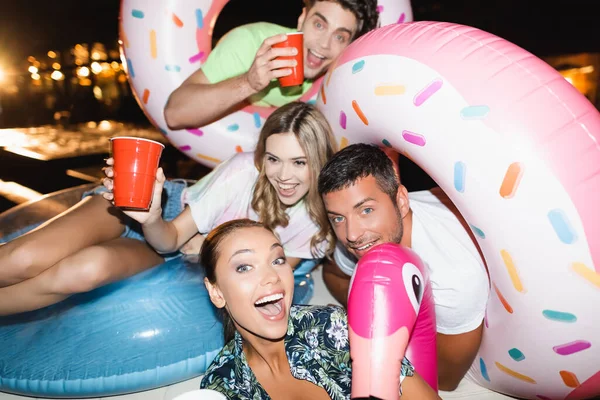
(314, 135)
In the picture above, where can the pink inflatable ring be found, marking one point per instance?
(516, 148)
(163, 42)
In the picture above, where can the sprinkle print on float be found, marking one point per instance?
(163, 42)
(517, 152)
(166, 43)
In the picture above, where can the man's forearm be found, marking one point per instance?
(337, 286)
(198, 104)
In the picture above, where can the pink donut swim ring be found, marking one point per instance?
(517, 149)
(163, 42)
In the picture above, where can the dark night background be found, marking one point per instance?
(538, 26)
(33, 27)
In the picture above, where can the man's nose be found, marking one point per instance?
(325, 40)
(354, 230)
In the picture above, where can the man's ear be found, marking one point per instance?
(215, 294)
(301, 19)
(402, 201)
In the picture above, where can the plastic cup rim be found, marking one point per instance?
(137, 138)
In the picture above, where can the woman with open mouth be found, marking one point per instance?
(100, 244)
(276, 350)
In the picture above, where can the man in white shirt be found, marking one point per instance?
(367, 205)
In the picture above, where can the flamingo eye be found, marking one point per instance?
(413, 284)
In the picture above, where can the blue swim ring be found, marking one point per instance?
(154, 329)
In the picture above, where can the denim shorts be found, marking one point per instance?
(172, 206)
(304, 285)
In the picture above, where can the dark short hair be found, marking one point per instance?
(365, 12)
(355, 162)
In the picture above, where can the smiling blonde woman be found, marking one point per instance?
(101, 244)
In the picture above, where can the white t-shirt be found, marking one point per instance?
(458, 277)
(226, 194)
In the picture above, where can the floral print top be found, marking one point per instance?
(317, 348)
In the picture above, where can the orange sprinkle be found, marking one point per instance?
(177, 21)
(153, 51)
(586, 273)
(359, 112)
(145, 96)
(503, 300)
(207, 158)
(514, 374)
(323, 94)
(511, 181)
(570, 379)
(343, 142)
(238, 149)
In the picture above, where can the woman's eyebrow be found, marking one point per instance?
(241, 251)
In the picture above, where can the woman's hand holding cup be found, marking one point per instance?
(143, 217)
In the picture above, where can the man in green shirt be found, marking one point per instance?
(243, 67)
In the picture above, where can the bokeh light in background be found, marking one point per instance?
(67, 61)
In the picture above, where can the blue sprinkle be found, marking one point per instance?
(199, 19)
(561, 226)
(516, 354)
(172, 68)
(474, 112)
(257, 121)
(386, 143)
(460, 169)
(137, 14)
(484, 372)
(559, 316)
(358, 66)
(312, 101)
(164, 132)
(130, 68)
(233, 127)
(478, 231)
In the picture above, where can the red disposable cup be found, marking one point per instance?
(135, 164)
(295, 39)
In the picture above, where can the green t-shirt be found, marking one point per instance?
(234, 53)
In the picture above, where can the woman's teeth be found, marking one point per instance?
(271, 306)
(270, 298)
(287, 186)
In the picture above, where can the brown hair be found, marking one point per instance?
(365, 12)
(314, 134)
(210, 253)
(356, 162)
